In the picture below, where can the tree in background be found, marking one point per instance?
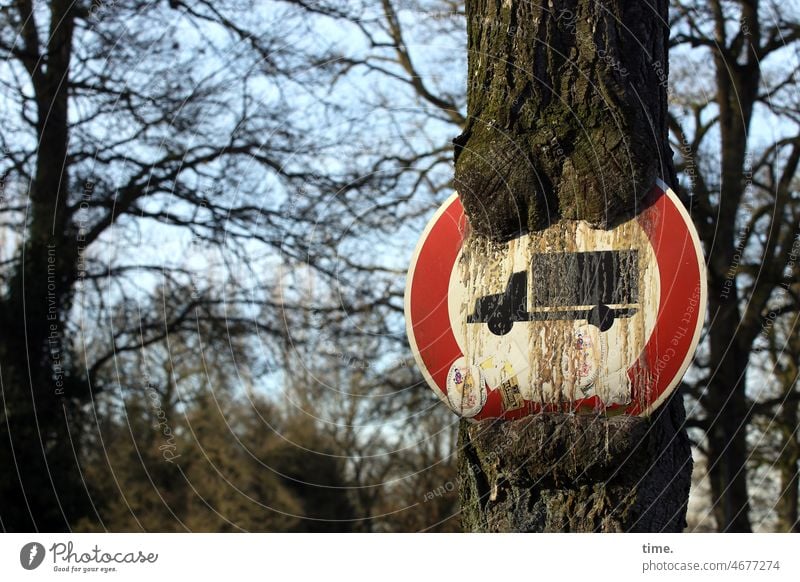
(183, 453)
(740, 175)
(147, 143)
(194, 453)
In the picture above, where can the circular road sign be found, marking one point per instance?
(569, 318)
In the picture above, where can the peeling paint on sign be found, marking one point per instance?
(568, 318)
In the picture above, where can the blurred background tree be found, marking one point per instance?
(735, 127)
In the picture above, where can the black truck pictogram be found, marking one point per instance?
(583, 285)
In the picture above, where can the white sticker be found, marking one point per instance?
(581, 363)
(466, 388)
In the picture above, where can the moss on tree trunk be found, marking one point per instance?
(567, 110)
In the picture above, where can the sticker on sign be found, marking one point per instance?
(566, 318)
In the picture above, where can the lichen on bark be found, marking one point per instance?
(566, 111)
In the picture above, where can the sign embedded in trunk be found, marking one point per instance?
(568, 318)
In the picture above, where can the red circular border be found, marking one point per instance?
(653, 376)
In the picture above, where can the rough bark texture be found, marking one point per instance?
(788, 463)
(730, 342)
(42, 488)
(574, 473)
(568, 120)
(566, 111)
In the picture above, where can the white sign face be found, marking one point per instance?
(543, 343)
(567, 318)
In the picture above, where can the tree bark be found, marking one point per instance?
(567, 111)
(727, 409)
(566, 473)
(786, 421)
(730, 342)
(789, 465)
(43, 488)
(567, 119)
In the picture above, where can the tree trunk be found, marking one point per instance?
(727, 409)
(567, 119)
(730, 342)
(565, 473)
(789, 464)
(788, 461)
(42, 488)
